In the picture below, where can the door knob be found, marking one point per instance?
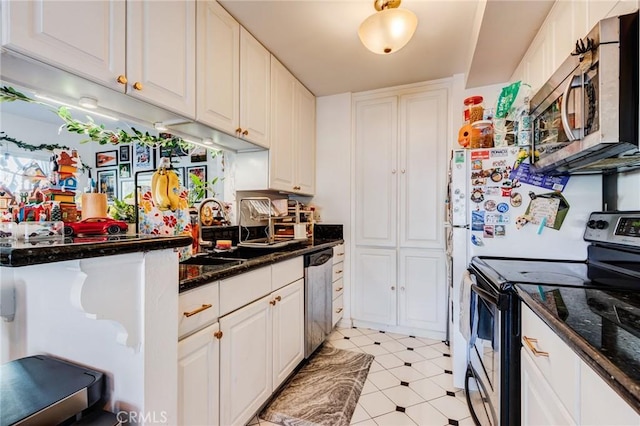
(137, 85)
(218, 334)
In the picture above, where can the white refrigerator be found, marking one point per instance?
(490, 191)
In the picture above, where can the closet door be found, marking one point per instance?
(376, 142)
(422, 171)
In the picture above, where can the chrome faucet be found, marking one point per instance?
(221, 211)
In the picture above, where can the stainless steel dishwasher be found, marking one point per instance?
(318, 270)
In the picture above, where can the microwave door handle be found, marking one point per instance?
(564, 110)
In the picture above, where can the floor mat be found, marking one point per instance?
(324, 392)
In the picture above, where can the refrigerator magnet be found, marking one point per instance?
(489, 231)
(477, 195)
(502, 207)
(500, 231)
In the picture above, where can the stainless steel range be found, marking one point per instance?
(606, 286)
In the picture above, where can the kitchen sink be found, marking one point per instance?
(212, 261)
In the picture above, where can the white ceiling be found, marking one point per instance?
(318, 41)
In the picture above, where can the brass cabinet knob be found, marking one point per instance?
(137, 85)
(245, 133)
(338, 289)
(272, 302)
(296, 188)
(218, 334)
(278, 298)
(239, 130)
(122, 79)
(338, 310)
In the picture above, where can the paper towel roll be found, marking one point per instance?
(94, 205)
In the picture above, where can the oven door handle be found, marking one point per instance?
(484, 294)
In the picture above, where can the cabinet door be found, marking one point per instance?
(281, 154)
(218, 64)
(255, 90)
(245, 361)
(83, 37)
(600, 404)
(198, 378)
(376, 141)
(288, 330)
(161, 49)
(375, 286)
(422, 290)
(305, 141)
(423, 159)
(539, 404)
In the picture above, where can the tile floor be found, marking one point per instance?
(409, 383)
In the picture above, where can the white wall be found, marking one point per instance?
(333, 171)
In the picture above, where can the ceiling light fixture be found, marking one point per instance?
(389, 29)
(89, 103)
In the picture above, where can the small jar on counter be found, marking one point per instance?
(473, 109)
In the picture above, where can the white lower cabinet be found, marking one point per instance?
(558, 388)
(288, 330)
(261, 345)
(600, 404)
(400, 288)
(245, 361)
(540, 404)
(198, 377)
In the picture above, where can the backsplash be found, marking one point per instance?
(321, 232)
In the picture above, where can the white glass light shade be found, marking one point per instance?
(388, 31)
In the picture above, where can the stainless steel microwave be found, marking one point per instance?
(585, 118)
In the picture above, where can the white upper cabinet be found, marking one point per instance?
(305, 136)
(233, 76)
(85, 37)
(218, 63)
(161, 54)
(282, 155)
(422, 171)
(145, 49)
(255, 90)
(376, 152)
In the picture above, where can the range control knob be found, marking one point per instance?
(601, 224)
(591, 224)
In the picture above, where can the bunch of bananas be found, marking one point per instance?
(164, 187)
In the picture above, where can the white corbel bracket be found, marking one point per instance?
(110, 289)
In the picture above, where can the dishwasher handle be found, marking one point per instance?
(319, 258)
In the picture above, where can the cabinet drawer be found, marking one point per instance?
(338, 253)
(338, 288)
(286, 272)
(557, 362)
(338, 271)
(338, 307)
(240, 290)
(197, 308)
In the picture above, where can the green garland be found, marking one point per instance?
(43, 147)
(96, 132)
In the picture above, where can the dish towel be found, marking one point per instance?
(465, 306)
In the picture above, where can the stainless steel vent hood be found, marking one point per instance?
(585, 118)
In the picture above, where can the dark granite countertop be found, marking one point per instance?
(193, 275)
(601, 326)
(24, 253)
